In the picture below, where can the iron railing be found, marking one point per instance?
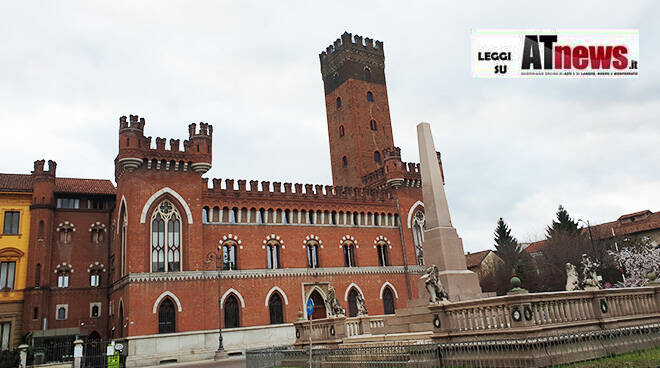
(545, 351)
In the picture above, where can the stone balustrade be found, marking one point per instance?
(510, 316)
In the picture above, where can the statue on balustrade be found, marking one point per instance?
(361, 308)
(433, 285)
(572, 280)
(589, 275)
(332, 305)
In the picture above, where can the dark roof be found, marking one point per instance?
(475, 259)
(86, 186)
(16, 182)
(23, 183)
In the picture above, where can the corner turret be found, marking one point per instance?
(43, 183)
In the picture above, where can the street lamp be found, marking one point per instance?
(218, 257)
(591, 238)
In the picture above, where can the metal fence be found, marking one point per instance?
(53, 350)
(528, 352)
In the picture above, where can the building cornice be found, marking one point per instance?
(146, 277)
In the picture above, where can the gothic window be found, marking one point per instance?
(95, 271)
(419, 224)
(341, 130)
(233, 215)
(310, 217)
(205, 215)
(275, 309)
(312, 254)
(349, 254)
(95, 311)
(66, 230)
(62, 311)
(229, 251)
(165, 238)
(166, 317)
(41, 229)
(338, 103)
(97, 231)
(344, 162)
(367, 74)
(377, 157)
(231, 312)
(383, 256)
(63, 272)
(370, 96)
(7, 273)
(35, 313)
(260, 216)
(285, 216)
(273, 250)
(388, 301)
(372, 125)
(123, 223)
(352, 303)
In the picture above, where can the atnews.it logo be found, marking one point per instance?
(556, 53)
(573, 57)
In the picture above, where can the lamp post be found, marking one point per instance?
(591, 238)
(218, 257)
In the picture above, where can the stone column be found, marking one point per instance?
(441, 245)
(77, 353)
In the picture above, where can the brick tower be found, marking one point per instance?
(359, 126)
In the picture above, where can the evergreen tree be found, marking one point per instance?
(506, 246)
(564, 224)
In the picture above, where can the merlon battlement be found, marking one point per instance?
(348, 42)
(292, 190)
(134, 123)
(39, 168)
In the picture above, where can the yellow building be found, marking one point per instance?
(15, 200)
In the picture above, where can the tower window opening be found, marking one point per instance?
(344, 162)
(341, 130)
(372, 125)
(370, 96)
(367, 74)
(377, 157)
(338, 103)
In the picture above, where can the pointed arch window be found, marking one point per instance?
(231, 312)
(373, 125)
(367, 74)
(165, 238)
(388, 301)
(338, 103)
(275, 309)
(166, 317)
(344, 161)
(123, 223)
(419, 225)
(352, 303)
(370, 96)
(341, 131)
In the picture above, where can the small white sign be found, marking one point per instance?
(110, 350)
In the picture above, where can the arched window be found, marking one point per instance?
(97, 232)
(344, 162)
(275, 309)
(338, 103)
(419, 224)
(95, 311)
(373, 125)
(165, 238)
(229, 252)
(383, 256)
(310, 217)
(388, 301)
(341, 130)
(349, 254)
(273, 250)
(233, 215)
(61, 313)
(367, 74)
(37, 275)
(260, 216)
(352, 303)
(319, 305)
(231, 312)
(166, 317)
(370, 96)
(123, 223)
(285, 216)
(377, 157)
(205, 215)
(95, 277)
(312, 254)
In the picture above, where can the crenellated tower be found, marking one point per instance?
(357, 107)
(135, 149)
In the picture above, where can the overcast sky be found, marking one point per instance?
(511, 148)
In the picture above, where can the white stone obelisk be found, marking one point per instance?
(441, 245)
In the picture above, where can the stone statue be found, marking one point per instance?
(361, 309)
(332, 305)
(589, 275)
(572, 281)
(433, 285)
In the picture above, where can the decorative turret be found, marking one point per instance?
(135, 149)
(393, 167)
(43, 183)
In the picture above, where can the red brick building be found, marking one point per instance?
(149, 239)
